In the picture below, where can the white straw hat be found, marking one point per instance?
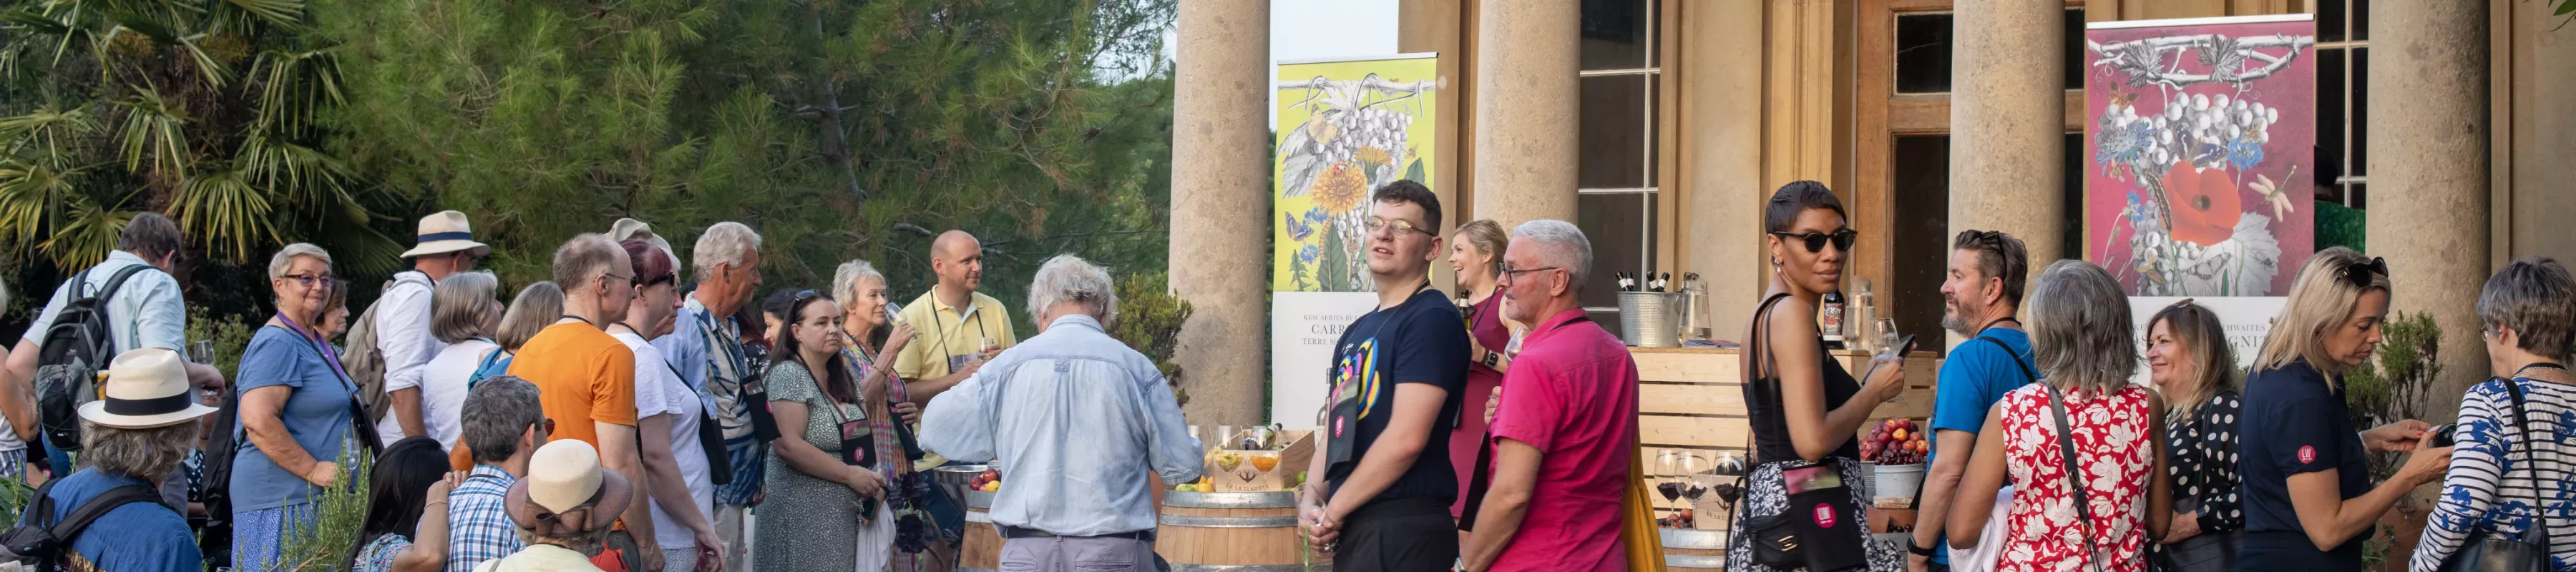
(446, 232)
(146, 388)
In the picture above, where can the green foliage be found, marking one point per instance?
(341, 511)
(201, 110)
(14, 496)
(230, 333)
(2395, 384)
(1149, 320)
(839, 129)
(2339, 225)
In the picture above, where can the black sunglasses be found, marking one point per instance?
(1842, 239)
(2358, 274)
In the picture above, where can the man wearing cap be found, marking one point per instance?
(134, 436)
(403, 338)
(564, 508)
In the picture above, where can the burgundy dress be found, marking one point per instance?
(1485, 325)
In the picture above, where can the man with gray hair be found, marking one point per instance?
(1565, 432)
(504, 424)
(1085, 417)
(706, 347)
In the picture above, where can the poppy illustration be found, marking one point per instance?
(2203, 203)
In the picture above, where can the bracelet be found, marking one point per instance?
(1918, 550)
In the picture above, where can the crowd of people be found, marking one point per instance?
(620, 417)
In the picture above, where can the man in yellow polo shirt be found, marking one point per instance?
(960, 328)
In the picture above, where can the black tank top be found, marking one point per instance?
(1762, 403)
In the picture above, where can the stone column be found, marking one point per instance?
(2429, 188)
(1526, 102)
(1221, 207)
(2007, 123)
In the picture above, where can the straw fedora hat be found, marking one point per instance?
(565, 476)
(146, 388)
(446, 232)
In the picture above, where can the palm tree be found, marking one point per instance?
(201, 109)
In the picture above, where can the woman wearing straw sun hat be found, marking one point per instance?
(563, 508)
(134, 436)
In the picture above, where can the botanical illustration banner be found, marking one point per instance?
(1344, 129)
(2200, 141)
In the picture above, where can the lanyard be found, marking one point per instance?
(962, 318)
(1981, 330)
(329, 356)
(708, 331)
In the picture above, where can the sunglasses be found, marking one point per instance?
(1815, 241)
(545, 426)
(2358, 274)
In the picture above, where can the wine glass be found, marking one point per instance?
(1887, 335)
(1696, 478)
(1669, 463)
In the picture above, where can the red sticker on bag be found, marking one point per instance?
(2307, 454)
(1824, 515)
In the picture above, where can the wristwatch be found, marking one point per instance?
(1493, 359)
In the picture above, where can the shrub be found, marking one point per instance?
(324, 544)
(1149, 320)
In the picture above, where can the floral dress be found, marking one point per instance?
(2111, 440)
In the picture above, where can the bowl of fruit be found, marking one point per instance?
(1895, 449)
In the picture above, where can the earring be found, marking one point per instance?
(1775, 261)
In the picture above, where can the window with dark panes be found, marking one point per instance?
(2343, 97)
(1616, 207)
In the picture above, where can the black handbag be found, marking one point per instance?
(2495, 551)
(2093, 554)
(1820, 530)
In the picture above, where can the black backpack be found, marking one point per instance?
(45, 543)
(77, 346)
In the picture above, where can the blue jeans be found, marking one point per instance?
(56, 460)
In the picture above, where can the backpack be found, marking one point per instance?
(76, 348)
(45, 544)
(366, 362)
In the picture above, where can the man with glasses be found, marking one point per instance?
(1565, 433)
(1398, 377)
(404, 343)
(587, 378)
(504, 424)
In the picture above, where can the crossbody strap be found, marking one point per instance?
(2074, 477)
(2522, 427)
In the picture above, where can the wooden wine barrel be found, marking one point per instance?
(1692, 550)
(1232, 532)
(981, 551)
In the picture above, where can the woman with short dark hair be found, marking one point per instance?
(2508, 476)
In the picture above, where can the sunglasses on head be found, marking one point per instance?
(1815, 241)
(2358, 274)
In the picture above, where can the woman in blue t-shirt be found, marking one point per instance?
(2308, 499)
(295, 413)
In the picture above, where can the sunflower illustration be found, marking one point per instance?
(1340, 188)
(1372, 156)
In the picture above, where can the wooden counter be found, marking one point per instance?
(1693, 400)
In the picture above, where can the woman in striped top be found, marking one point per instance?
(2494, 481)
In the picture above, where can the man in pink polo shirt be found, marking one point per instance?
(1567, 426)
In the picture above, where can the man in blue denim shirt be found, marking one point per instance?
(1074, 418)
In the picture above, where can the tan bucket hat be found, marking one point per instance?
(446, 232)
(563, 477)
(146, 388)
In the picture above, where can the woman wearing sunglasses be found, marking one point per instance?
(2308, 500)
(1805, 408)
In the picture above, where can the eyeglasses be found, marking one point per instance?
(309, 280)
(1374, 224)
(545, 426)
(631, 282)
(2358, 274)
(1842, 239)
(1510, 274)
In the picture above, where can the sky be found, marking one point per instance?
(1304, 30)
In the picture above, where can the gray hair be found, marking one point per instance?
(2536, 297)
(586, 541)
(464, 306)
(2079, 328)
(726, 243)
(146, 453)
(845, 280)
(284, 260)
(1069, 278)
(1561, 245)
(583, 258)
(497, 411)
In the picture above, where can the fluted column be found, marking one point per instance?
(2428, 173)
(1220, 244)
(2007, 123)
(1527, 99)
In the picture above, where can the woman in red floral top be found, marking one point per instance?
(2079, 331)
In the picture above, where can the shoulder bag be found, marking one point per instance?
(1820, 528)
(2094, 557)
(2495, 551)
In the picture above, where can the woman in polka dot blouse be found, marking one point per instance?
(2188, 359)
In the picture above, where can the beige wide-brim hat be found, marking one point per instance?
(146, 388)
(565, 476)
(446, 232)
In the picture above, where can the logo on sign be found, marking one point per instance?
(1824, 515)
(2307, 454)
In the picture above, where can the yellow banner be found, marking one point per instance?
(1345, 128)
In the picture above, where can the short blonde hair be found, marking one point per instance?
(2319, 300)
(285, 258)
(538, 305)
(463, 305)
(845, 280)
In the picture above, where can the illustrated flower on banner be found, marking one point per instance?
(1372, 156)
(1341, 188)
(2203, 204)
(1309, 254)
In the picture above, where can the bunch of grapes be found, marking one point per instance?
(1895, 442)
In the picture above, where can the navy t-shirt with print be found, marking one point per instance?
(2295, 423)
(1424, 341)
